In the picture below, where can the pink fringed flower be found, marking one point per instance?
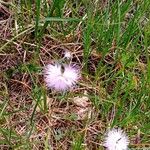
(116, 139)
(60, 77)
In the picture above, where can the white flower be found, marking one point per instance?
(60, 77)
(116, 139)
(67, 55)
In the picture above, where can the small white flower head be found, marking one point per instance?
(116, 139)
(61, 77)
(67, 55)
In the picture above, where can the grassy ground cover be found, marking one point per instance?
(109, 41)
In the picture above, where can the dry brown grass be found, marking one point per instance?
(65, 121)
(63, 116)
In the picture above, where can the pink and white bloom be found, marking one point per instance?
(116, 139)
(60, 77)
(67, 55)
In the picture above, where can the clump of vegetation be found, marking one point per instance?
(108, 40)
